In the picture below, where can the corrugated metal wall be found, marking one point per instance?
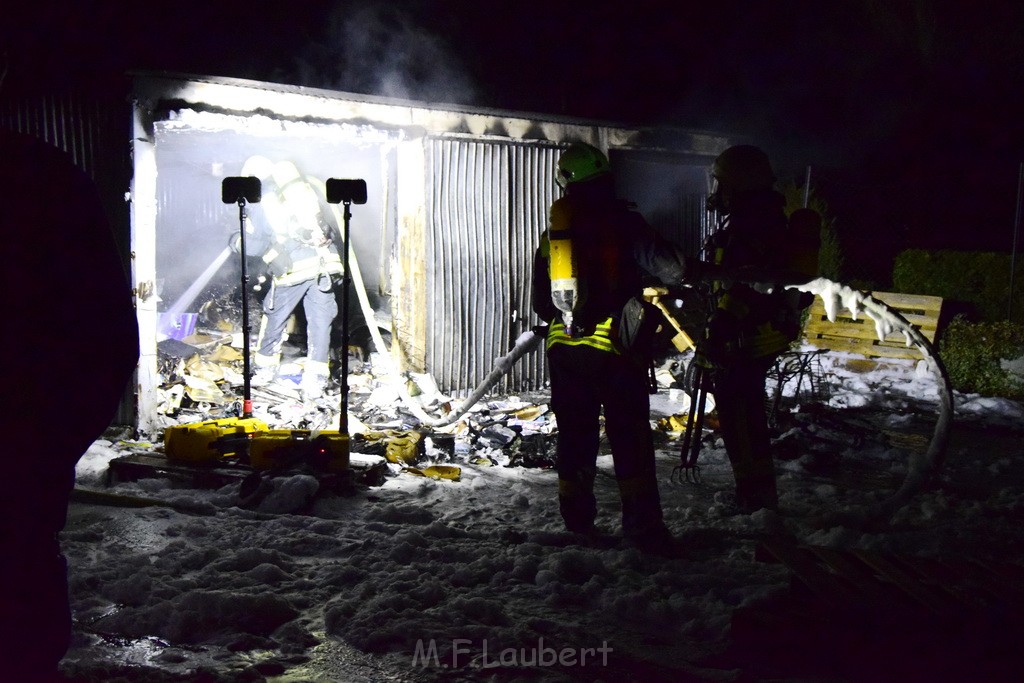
(94, 131)
(488, 204)
(65, 122)
(696, 223)
(670, 190)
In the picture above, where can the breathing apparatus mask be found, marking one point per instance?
(715, 201)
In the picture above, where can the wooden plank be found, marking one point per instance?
(860, 336)
(985, 587)
(861, 333)
(939, 603)
(935, 574)
(925, 305)
(865, 327)
(1003, 578)
(826, 585)
(1011, 572)
(916, 316)
(861, 576)
(900, 301)
(864, 348)
(145, 465)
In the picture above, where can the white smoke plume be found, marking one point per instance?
(380, 49)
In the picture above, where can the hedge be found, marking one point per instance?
(980, 281)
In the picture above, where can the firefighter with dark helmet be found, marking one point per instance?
(585, 271)
(752, 323)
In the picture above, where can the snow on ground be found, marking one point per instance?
(433, 580)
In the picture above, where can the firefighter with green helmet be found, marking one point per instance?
(755, 318)
(586, 269)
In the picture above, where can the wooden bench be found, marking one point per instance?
(803, 368)
(859, 336)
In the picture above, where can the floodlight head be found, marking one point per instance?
(346, 191)
(236, 189)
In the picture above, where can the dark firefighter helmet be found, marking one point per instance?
(743, 168)
(581, 162)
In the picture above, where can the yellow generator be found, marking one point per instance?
(205, 443)
(326, 450)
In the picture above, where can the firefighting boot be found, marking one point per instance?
(576, 501)
(755, 482)
(754, 493)
(314, 379)
(266, 368)
(642, 523)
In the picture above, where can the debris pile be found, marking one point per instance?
(203, 380)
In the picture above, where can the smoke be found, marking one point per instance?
(383, 50)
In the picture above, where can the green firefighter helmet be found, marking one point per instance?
(743, 168)
(581, 162)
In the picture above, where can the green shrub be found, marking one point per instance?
(971, 353)
(830, 257)
(979, 279)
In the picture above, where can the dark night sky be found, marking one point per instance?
(908, 111)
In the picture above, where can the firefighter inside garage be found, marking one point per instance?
(297, 244)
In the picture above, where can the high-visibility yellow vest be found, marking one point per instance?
(602, 338)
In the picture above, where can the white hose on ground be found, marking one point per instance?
(524, 344)
(921, 466)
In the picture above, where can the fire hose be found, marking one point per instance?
(921, 466)
(525, 343)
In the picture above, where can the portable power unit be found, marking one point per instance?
(326, 450)
(204, 443)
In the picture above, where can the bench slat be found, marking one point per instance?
(864, 326)
(859, 336)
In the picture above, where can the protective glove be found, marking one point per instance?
(235, 242)
(280, 264)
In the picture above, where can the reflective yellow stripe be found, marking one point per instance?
(733, 304)
(765, 341)
(601, 339)
(325, 262)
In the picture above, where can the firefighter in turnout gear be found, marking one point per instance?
(752, 323)
(586, 268)
(297, 246)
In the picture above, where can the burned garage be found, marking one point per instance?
(449, 556)
(441, 250)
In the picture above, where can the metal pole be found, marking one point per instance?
(246, 397)
(1013, 251)
(346, 279)
(807, 187)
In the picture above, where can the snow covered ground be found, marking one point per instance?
(423, 579)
